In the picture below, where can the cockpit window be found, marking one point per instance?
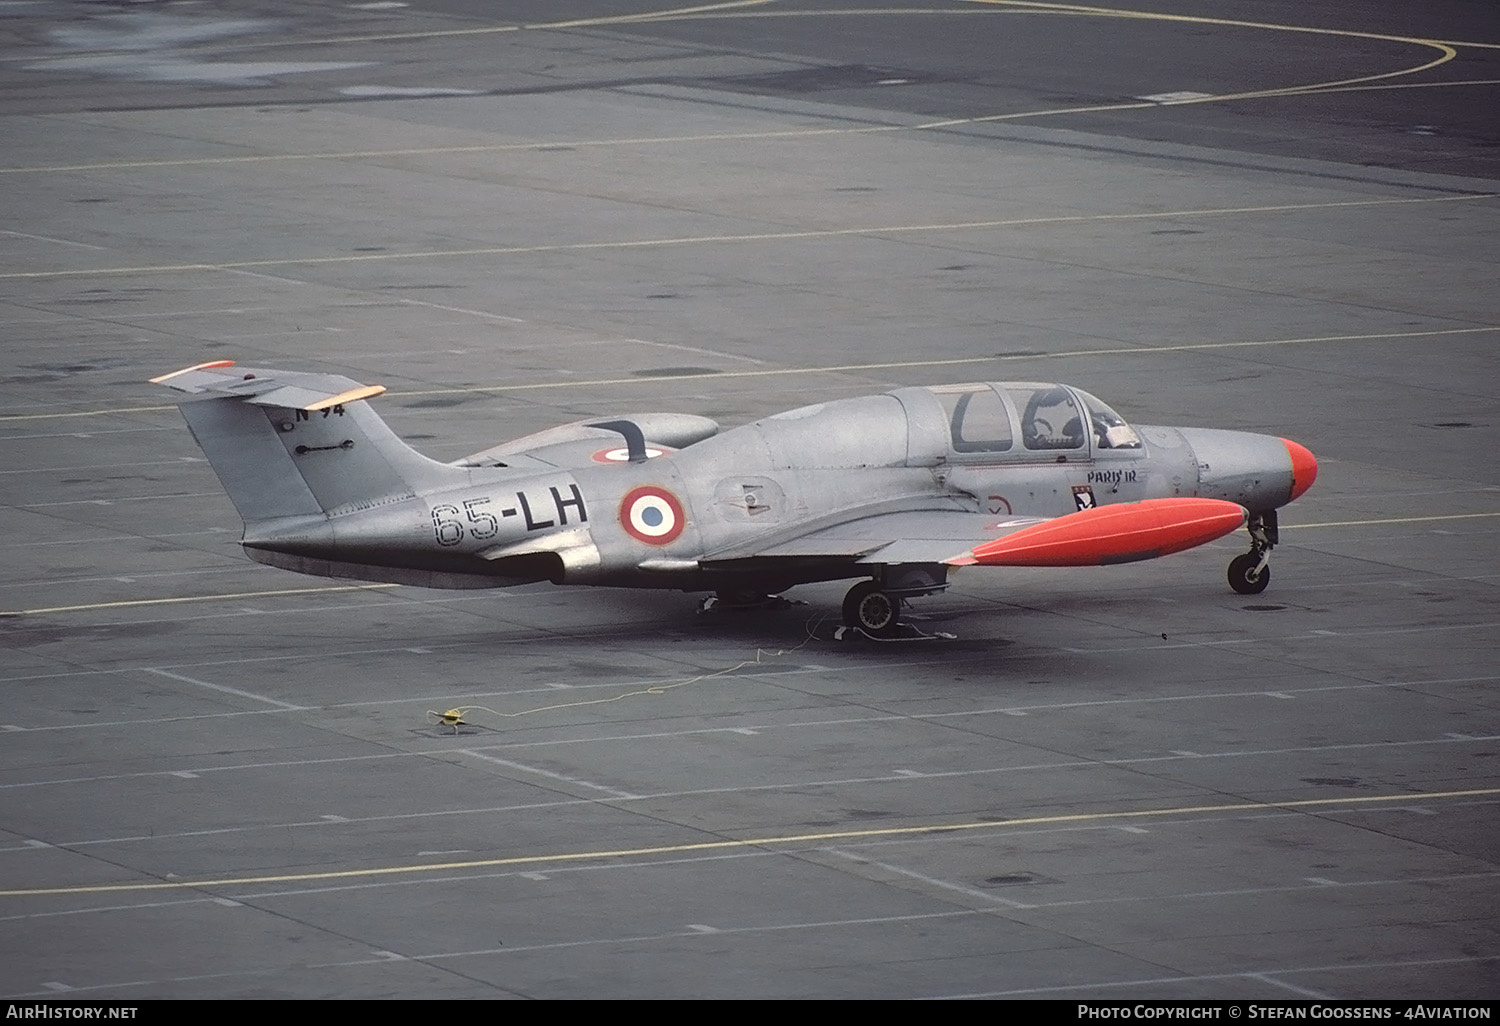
(1050, 418)
(1110, 429)
(977, 418)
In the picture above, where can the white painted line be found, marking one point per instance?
(404, 92)
(1178, 97)
(48, 238)
(522, 767)
(224, 689)
(728, 238)
(1303, 991)
(121, 498)
(946, 885)
(687, 349)
(119, 908)
(103, 467)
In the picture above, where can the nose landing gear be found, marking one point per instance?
(1251, 573)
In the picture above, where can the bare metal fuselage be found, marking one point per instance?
(755, 508)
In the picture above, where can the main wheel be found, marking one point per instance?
(1242, 575)
(870, 609)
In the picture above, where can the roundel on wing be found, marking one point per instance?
(652, 515)
(623, 455)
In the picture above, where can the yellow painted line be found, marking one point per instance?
(846, 368)
(1193, 19)
(735, 10)
(1391, 520)
(1445, 50)
(190, 598)
(652, 140)
(1413, 85)
(751, 842)
(694, 240)
(432, 150)
(956, 362)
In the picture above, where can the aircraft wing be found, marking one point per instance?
(1119, 533)
(926, 536)
(598, 438)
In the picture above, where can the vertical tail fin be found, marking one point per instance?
(288, 444)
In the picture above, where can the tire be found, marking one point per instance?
(871, 610)
(1240, 570)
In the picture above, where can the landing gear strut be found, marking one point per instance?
(1249, 574)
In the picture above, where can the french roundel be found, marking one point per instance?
(623, 455)
(652, 515)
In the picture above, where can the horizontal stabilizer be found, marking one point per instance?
(1104, 535)
(291, 390)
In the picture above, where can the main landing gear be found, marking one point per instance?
(873, 607)
(1249, 574)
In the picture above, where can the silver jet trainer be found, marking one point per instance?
(895, 489)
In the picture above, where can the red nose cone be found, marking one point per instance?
(1304, 467)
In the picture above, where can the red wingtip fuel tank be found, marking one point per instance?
(1120, 533)
(1304, 467)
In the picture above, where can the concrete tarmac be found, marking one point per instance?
(223, 780)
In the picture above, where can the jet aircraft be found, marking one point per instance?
(894, 490)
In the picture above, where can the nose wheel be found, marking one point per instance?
(1251, 573)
